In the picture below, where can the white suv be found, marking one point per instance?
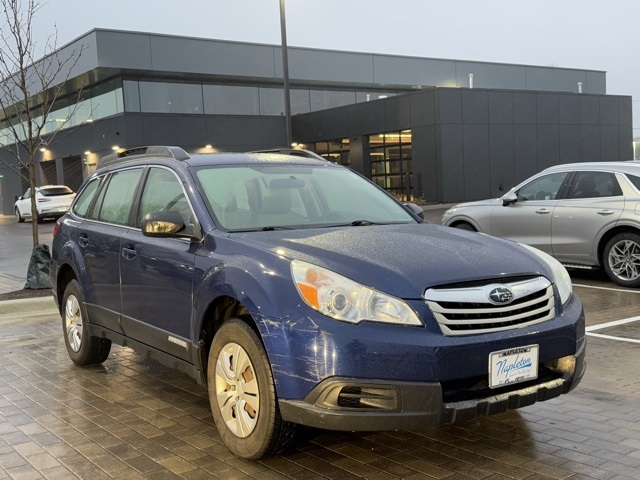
(52, 201)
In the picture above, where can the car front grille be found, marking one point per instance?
(491, 307)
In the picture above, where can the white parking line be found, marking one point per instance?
(614, 323)
(605, 288)
(599, 335)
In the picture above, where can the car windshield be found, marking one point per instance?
(55, 191)
(286, 196)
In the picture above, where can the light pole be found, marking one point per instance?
(285, 74)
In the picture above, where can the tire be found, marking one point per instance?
(239, 378)
(19, 217)
(621, 259)
(465, 226)
(83, 349)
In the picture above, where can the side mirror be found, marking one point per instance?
(167, 224)
(415, 209)
(509, 199)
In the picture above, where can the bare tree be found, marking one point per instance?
(33, 78)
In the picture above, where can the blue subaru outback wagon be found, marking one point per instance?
(302, 294)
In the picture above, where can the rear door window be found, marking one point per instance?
(594, 185)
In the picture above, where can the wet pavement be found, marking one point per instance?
(133, 418)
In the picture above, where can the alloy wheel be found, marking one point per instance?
(237, 390)
(73, 323)
(624, 260)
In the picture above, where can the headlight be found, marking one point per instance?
(560, 275)
(342, 299)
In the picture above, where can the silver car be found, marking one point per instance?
(586, 215)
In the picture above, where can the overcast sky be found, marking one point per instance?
(589, 34)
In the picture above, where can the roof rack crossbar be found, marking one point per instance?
(176, 153)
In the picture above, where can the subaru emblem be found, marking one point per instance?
(501, 295)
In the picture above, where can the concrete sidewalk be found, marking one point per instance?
(27, 307)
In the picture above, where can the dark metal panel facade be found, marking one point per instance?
(501, 158)
(476, 163)
(548, 138)
(501, 110)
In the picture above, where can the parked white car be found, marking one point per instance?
(52, 201)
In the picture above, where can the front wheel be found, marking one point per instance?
(83, 349)
(621, 258)
(19, 217)
(242, 394)
(465, 226)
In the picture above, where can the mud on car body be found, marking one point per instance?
(302, 294)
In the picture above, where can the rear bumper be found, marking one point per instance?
(371, 405)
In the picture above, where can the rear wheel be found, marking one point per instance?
(83, 349)
(19, 217)
(621, 258)
(242, 394)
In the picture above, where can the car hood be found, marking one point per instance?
(479, 203)
(402, 260)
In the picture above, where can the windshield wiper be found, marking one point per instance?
(360, 223)
(270, 229)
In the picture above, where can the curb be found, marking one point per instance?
(28, 307)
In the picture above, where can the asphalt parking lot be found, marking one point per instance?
(133, 418)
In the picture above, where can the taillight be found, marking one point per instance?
(41, 199)
(56, 227)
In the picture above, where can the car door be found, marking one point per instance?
(593, 204)
(157, 273)
(24, 204)
(528, 220)
(98, 238)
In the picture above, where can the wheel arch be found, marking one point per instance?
(65, 274)
(464, 221)
(609, 235)
(220, 310)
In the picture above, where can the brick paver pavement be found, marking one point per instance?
(135, 419)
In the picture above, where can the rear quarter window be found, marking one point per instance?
(81, 207)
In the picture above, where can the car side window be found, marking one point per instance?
(546, 187)
(115, 203)
(594, 185)
(27, 194)
(83, 202)
(163, 192)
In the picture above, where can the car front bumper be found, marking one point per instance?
(349, 404)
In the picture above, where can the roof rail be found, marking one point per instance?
(136, 153)
(293, 152)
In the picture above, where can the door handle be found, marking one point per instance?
(605, 212)
(83, 240)
(543, 211)
(129, 252)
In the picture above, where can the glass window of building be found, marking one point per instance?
(300, 101)
(157, 97)
(322, 99)
(336, 151)
(271, 101)
(390, 155)
(131, 96)
(231, 100)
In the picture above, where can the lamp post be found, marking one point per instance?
(285, 74)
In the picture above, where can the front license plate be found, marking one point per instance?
(514, 365)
